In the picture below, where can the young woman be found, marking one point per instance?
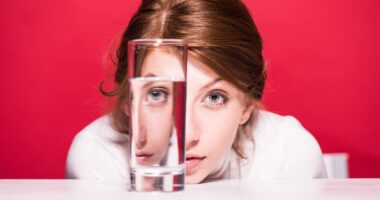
(228, 135)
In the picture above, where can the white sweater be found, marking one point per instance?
(282, 149)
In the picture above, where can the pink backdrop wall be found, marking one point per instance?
(323, 67)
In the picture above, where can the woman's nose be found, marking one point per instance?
(192, 132)
(141, 138)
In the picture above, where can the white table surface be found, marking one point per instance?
(361, 189)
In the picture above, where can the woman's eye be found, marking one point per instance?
(216, 98)
(157, 95)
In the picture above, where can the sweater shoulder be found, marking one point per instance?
(285, 149)
(97, 152)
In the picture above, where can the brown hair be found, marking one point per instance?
(220, 33)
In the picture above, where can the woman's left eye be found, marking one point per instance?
(157, 95)
(216, 98)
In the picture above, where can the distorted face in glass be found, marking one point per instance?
(152, 107)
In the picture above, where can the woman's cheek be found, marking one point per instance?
(219, 130)
(159, 126)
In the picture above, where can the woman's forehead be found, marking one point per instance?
(199, 73)
(168, 64)
(163, 63)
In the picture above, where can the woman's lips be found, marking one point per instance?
(144, 158)
(193, 161)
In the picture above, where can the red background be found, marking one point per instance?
(323, 68)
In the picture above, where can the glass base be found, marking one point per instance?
(157, 183)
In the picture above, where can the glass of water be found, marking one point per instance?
(156, 109)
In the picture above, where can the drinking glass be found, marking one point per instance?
(156, 111)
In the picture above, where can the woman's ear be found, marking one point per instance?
(247, 112)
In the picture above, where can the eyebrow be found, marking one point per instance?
(148, 83)
(150, 75)
(211, 83)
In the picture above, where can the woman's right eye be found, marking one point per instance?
(156, 96)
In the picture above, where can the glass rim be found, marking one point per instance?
(158, 42)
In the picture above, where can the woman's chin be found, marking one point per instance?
(193, 179)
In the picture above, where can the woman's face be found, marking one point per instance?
(215, 109)
(151, 121)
